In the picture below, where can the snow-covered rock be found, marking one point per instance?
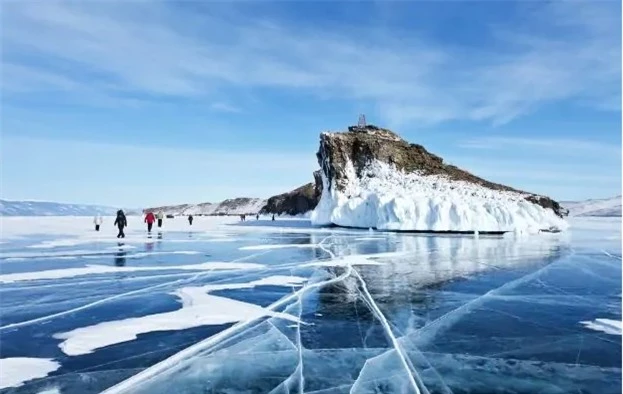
(374, 179)
(610, 207)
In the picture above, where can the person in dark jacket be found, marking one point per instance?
(121, 222)
(190, 219)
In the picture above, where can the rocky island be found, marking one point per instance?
(370, 177)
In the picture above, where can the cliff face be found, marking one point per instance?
(362, 146)
(298, 201)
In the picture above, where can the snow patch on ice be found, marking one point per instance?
(105, 269)
(275, 280)
(123, 246)
(386, 198)
(54, 390)
(609, 326)
(277, 246)
(199, 308)
(14, 256)
(145, 254)
(15, 371)
(343, 262)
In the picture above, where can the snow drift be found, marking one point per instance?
(374, 179)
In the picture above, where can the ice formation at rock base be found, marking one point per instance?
(385, 198)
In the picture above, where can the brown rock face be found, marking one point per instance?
(297, 201)
(360, 146)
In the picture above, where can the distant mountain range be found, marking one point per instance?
(607, 207)
(46, 208)
(233, 206)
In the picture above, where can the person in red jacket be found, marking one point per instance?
(149, 219)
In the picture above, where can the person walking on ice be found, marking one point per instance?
(121, 222)
(97, 221)
(149, 219)
(190, 220)
(160, 216)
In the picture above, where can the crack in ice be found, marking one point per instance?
(450, 318)
(117, 296)
(388, 331)
(176, 360)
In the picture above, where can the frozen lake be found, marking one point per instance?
(279, 307)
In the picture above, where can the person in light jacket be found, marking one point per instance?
(97, 221)
(160, 216)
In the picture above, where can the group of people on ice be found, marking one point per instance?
(122, 222)
(243, 217)
(150, 218)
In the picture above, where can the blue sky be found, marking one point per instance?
(135, 103)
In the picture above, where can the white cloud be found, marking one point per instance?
(564, 168)
(554, 146)
(564, 51)
(224, 107)
(575, 179)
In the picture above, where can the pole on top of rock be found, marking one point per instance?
(362, 121)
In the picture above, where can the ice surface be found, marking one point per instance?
(319, 311)
(385, 198)
(198, 308)
(344, 262)
(15, 371)
(276, 246)
(104, 269)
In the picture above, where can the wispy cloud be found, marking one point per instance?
(568, 168)
(224, 107)
(553, 145)
(575, 178)
(564, 51)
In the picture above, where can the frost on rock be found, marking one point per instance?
(387, 198)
